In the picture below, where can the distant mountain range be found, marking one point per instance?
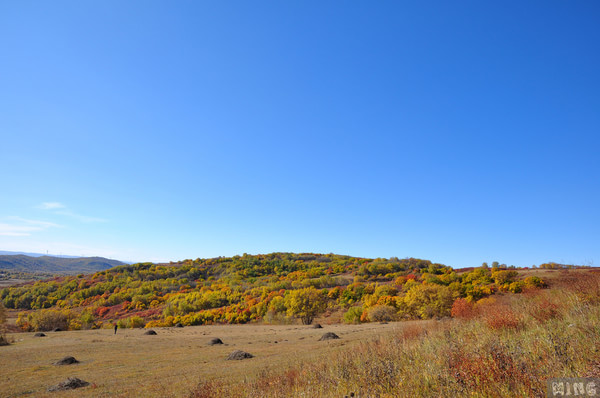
(33, 262)
(2, 252)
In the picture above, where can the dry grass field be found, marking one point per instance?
(169, 364)
(11, 282)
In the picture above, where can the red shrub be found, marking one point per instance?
(101, 311)
(502, 317)
(462, 308)
(545, 311)
(494, 364)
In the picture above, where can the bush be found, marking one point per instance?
(502, 317)
(353, 315)
(463, 309)
(382, 313)
(545, 310)
(534, 282)
(132, 322)
(502, 277)
(516, 287)
(45, 320)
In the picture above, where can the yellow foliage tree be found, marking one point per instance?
(429, 301)
(305, 304)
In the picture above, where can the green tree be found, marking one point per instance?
(305, 304)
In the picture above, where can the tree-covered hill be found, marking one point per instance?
(56, 265)
(274, 287)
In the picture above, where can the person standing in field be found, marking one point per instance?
(116, 328)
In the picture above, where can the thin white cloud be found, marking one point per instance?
(38, 223)
(51, 205)
(17, 230)
(79, 217)
(62, 210)
(18, 226)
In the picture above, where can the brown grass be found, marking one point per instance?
(169, 364)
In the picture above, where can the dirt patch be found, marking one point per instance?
(67, 361)
(215, 341)
(238, 355)
(329, 336)
(70, 384)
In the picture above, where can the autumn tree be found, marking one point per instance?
(305, 304)
(429, 301)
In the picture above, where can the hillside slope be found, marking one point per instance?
(275, 288)
(56, 265)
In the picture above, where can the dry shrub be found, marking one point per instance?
(545, 310)
(502, 317)
(593, 369)
(46, 320)
(412, 332)
(283, 382)
(493, 365)
(382, 313)
(586, 286)
(207, 389)
(463, 309)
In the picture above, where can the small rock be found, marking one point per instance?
(329, 336)
(238, 355)
(215, 341)
(70, 384)
(67, 361)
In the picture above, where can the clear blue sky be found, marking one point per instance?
(459, 132)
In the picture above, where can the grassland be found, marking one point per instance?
(169, 364)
